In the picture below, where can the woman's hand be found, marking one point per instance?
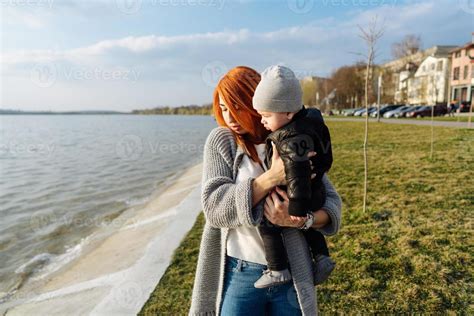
(277, 170)
(276, 211)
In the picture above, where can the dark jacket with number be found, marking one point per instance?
(304, 133)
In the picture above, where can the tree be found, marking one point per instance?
(315, 89)
(434, 82)
(205, 109)
(370, 35)
(348, 82)
(309, 93)
(410, 45)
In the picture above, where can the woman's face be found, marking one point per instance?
(229, 119)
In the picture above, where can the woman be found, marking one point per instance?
(236, 192)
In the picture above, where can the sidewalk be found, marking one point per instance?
(117, 277)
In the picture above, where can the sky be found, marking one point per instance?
(122, 55)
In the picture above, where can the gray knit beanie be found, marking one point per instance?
(278, 91)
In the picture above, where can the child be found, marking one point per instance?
(278, 99)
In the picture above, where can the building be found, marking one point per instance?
(421, 78)
(403, 85)
(462, 73)
(430, 82)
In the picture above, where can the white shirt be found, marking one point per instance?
(245, 242)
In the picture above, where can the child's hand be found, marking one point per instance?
(312, 154)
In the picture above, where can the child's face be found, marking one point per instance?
(274, 120)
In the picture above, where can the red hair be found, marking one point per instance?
(236, 89)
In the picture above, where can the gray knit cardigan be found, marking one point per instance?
(227, 204)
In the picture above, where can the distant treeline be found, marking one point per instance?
(205, 109)
(20, 112)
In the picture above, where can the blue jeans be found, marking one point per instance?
(240, 297)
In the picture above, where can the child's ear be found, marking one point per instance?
(290, 115)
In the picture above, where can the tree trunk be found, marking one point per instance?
(432, 132)
(366, 135)
(470, 116)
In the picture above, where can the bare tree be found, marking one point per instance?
(410, 45)
(470, 116)
(434, 86)
(379, 86)
(371, 34)
(349, 84)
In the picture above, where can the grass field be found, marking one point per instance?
(463, 119)
(411, 252)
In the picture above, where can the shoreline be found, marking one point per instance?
(118, 273)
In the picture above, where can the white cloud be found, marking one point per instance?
(171, 65)
(18, 16)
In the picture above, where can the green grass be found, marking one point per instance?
(411, 252)
(463, 119)
(172, 295)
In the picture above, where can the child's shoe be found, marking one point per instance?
(323, 268)
(271, 278)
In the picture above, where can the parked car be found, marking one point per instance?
(385, 109)
(420, 112)
(440, 109)
(374, 113)
(403, 113)
(392, 113)
(464, 107)
(359, 112)
(362, 112)
(350, 112)
(372, 110)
